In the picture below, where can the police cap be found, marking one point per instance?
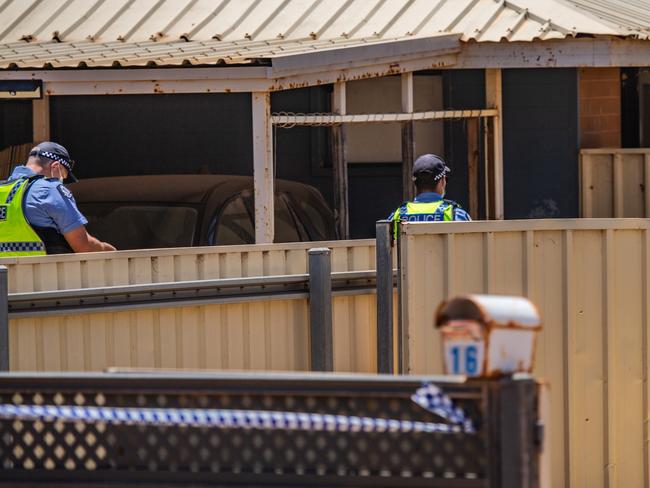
(56, 152)
(430, 164)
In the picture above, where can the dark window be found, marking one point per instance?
(141, 226)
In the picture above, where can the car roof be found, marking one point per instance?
(191, 189)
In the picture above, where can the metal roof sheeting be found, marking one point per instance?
(73, 33)
(630, 16)
(152, 53)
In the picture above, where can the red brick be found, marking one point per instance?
(599, 74)
(600, 106)
(597, 90)
(610, 123)
(600, 139)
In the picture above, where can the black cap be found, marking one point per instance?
(56, 152)
(431, 164)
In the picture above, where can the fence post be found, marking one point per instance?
(320, 309)
(402, 344)
(384, 264)
(4, 319)
(515, 432)
(519, 445)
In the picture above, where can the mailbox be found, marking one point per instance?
(488, 335)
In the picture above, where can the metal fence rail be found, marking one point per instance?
(228, 290)
(503, 452)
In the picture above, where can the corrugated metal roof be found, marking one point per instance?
(630, 16)
(71, 33)
(153, 53)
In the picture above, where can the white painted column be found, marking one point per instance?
(408, 138)
(41, 119)
(263, 167)
(494, 99)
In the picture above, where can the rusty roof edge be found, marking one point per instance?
(148, 74)
(366, 53)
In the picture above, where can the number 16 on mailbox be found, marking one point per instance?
(465, 357)
(488, 335)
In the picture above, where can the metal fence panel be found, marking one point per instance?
(71, 271)
(591, 281)
(615, 182)
(269, 335)
(262, 335)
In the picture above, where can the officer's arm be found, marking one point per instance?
(61, 207)
(81, 241)
(461, 214)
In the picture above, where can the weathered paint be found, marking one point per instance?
(263, 164)
(488, 335)
(494, 100)
(41, 119)
(408, 136)
(382, 118)
(340, 162)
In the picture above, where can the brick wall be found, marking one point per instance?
(599, 95)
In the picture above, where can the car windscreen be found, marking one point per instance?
(141, 226)
(319, 222)
(315, 216)
(234, 223)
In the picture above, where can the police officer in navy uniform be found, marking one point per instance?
(40, 213)
(430, 177)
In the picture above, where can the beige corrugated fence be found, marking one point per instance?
(614, 183)
(591, 281)
(259, 335)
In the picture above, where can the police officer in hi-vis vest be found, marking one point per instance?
(38, 215)
(430, 178)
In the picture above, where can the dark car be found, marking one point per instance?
(154, 211)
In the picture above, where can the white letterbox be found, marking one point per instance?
(488, 335)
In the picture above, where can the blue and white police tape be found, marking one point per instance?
(429, 396)
(226, 419)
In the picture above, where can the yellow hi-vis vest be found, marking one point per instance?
(439, 211)
(17, 238)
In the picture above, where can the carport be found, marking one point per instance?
(162, 47)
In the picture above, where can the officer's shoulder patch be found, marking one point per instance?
(65, 192)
